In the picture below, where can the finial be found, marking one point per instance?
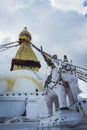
(25, 28)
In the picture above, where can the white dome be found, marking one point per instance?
(21, 81)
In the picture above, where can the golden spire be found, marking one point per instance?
(25, 58)
(25, 35)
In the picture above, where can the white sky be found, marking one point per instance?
(60, 26)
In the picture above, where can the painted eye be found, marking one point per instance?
(84, 101)
(80, 103)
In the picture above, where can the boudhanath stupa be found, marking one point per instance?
(26, 104)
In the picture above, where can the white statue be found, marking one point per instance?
(56, 84)
(63, 82)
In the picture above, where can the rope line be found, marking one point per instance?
(9, 43)
(85, 78)
(82, 73)
(8, 46)
(82, 79)
(81, 68)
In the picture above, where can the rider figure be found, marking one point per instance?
(59, 89)
(56, 84)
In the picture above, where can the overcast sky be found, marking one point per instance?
(60, 26)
